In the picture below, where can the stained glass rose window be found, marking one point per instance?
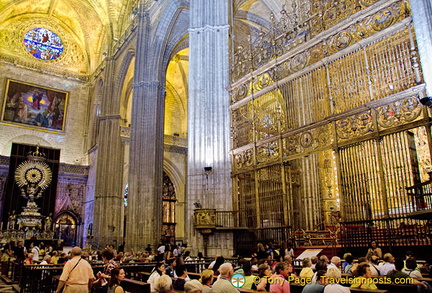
(43, 44)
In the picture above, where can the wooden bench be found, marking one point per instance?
(248, 290)
(144, 275)
(194, 276)
(429, 280)
(368, 290)
(398, 288)
(135, 286)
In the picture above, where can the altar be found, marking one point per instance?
(32, 176)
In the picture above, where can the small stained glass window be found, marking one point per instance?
(43, 44)
(125, 195)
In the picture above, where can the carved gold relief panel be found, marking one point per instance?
(423, 152)
(240, 92)
(307, 141)
(244, 159)
(268, 152)
(399, 112)
(263, 80)
(354, 126)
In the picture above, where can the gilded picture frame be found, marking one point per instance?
(34, 106)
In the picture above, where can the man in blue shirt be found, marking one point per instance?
(318, 286)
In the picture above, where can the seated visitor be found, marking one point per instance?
(345, 263)
(29, 259)
(164, 284)
(314, 260)
(250, 278)
(364, 279)
(396, 275)
(318, 286)
(320, 265)
(193, 286)
(158, 271)
(280, 284)
(117, 275)
(219, 261)
(411, 268)
(171, 268)
(181, 278)
(264, 271)
(374, 249)
(211, 265)
(373, 262)
(349, 260)
(306, 271)
(207, 277)
(334, 263)
(223, 284)
(46, 260)
(354, 267)
(388, 264)
(333, 276)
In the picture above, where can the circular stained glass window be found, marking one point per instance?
(43, 44)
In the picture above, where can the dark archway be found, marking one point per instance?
(65, 228)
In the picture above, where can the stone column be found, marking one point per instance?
(108, 204)
(143, 224)
(208, 120)
(422, 18)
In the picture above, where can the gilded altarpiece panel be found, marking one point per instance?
(332, 125)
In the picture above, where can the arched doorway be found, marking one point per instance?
(65, 228)
(169, 200)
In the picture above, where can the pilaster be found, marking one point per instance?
(422, 18)
(108, 203)
(209, 122)
(143, 225)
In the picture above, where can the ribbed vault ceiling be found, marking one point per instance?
(85, 27)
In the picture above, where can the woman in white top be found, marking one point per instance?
(411, 268)
(333, 275)
(289, 250)
(154, 277)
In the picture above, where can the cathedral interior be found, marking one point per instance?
(217, 124)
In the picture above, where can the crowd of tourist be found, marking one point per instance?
(269, 269)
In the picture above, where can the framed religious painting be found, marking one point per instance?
(34, 106)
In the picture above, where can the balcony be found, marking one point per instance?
(172, 143)
(211, 219)
(421, 195)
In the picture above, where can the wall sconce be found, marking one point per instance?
(427, 101)
(208, 170)
(197, 205)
